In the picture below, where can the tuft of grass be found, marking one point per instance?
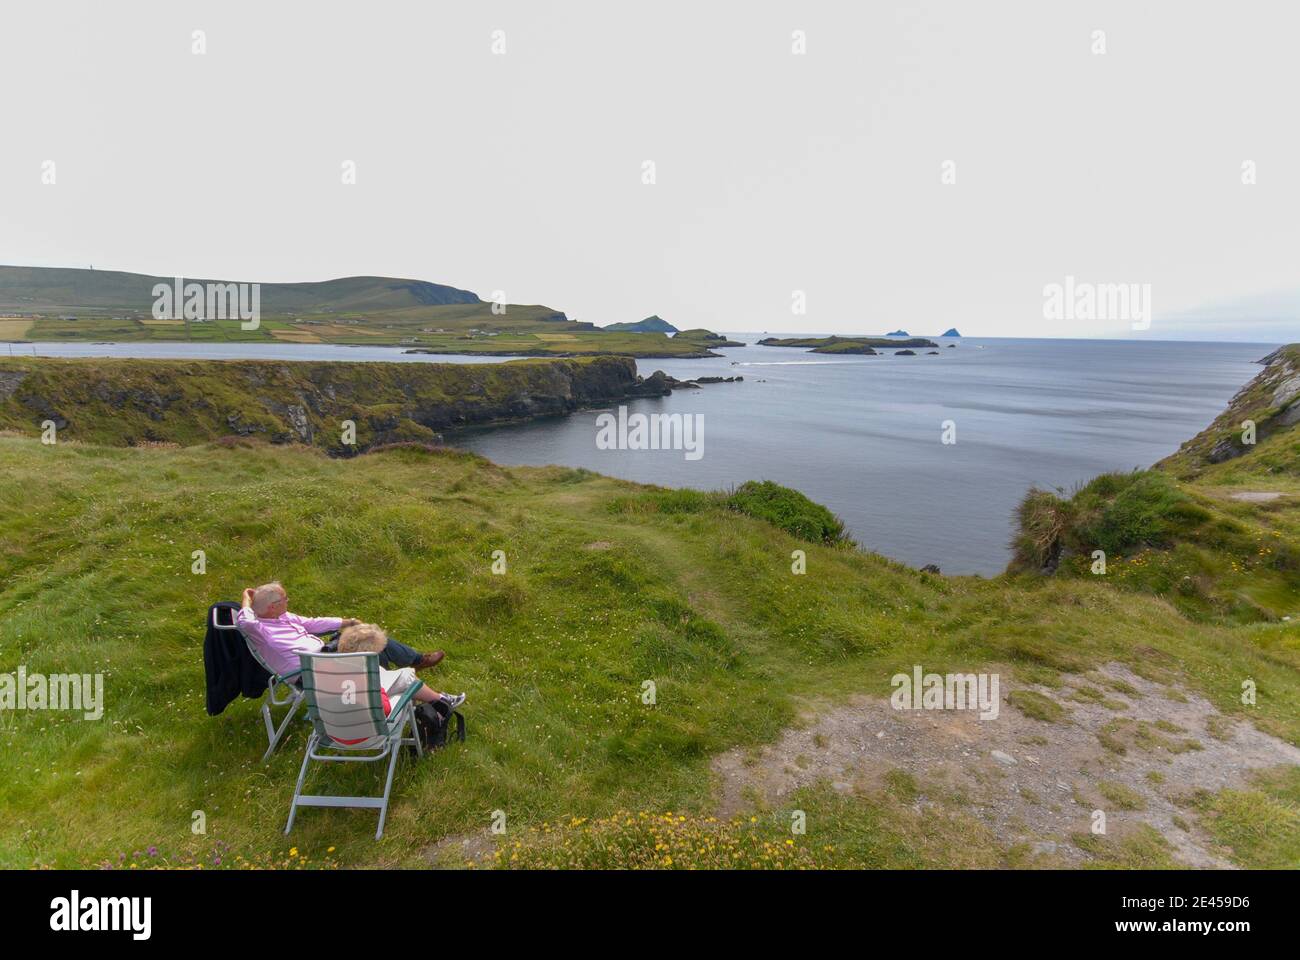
(1220, 727)
(1258, 827)
(902, 785)
(1140, 849)
(1034, 704)
(1123, 797)
(1042, 519)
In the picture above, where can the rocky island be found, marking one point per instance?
(841, 345)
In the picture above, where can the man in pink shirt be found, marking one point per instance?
(280, 635)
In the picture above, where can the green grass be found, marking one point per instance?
(838, 832)
(1034, 704)
(1213, 558)
(608, 584)
(1140, 849)
(1120, 796)
(789, 510)
(1258, 827)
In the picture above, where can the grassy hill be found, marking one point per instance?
(54, 289)
(608, 584)
(52, 304)
(653, 324)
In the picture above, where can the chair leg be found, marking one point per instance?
(297, 790)
(415, 735)
(388, 786)
(275, 734)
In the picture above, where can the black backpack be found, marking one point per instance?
(437, 724)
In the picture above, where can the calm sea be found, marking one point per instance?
(863, 435)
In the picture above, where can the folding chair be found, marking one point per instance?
(344, 703)
(292, 696)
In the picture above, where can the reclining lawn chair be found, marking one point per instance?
(344, 703)
(282, 690)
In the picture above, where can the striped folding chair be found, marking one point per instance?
(282, 690)
(347, 715)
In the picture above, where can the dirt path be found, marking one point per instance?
(1125, 746)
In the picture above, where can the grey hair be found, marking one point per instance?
(267, 594)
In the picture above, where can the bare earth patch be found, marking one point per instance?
(1030, 780)
(1253, 496)
(459, 851)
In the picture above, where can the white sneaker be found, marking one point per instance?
(453, 701)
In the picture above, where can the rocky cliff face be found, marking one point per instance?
(1269, 403)
(324, 404)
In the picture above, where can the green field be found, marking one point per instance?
(608, 584)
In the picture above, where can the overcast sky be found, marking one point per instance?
(774, 171)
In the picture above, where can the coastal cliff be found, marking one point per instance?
(140, 402)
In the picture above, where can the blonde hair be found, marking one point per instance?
(267, 594)
(362, 638)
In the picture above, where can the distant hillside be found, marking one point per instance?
(31, 290)
(60, 305)
(950, 332)
(653, 324)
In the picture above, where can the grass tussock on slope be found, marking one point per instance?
(1214, 530)
(607, 586)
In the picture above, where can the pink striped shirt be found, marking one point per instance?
(280, 639)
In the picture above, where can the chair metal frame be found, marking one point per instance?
(384, 742)
(292, 697)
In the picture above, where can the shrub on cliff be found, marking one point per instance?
(788, 509)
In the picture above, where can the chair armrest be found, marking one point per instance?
(403, 700)
(285, 678)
